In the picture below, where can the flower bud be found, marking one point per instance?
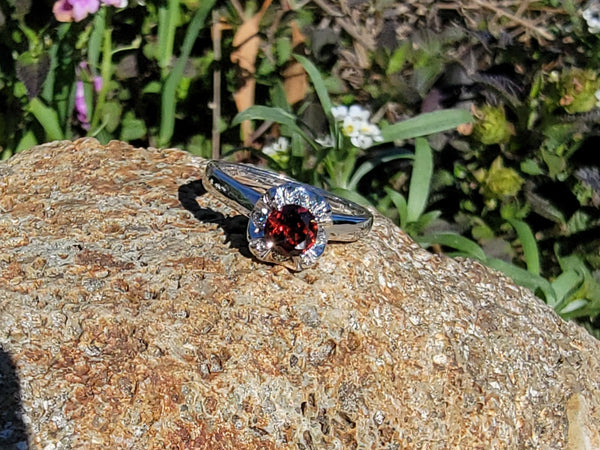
(502, 181)
(491, 126)
(577, 90)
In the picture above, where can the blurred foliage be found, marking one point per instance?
(518, 189)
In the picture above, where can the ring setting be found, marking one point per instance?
(289, 223)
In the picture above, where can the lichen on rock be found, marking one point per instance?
(136, 317)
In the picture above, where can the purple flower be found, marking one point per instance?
(77, 10)
(81, 105)
(97, 83)
(74, 10)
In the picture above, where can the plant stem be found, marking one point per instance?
(169, 94)
(167, 23)
(216, 116)
(105, 73)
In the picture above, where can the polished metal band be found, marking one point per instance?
(242, 185)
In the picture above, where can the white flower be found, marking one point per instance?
(597, 95)
(372, 130)
(361, 141)
(280, 146)
(359, 113)
(339, 113)
(326, 140)
(592, 16)
(351, 126)
(355, 125)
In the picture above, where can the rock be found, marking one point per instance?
(136, 318)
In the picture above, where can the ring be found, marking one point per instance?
(290, 222)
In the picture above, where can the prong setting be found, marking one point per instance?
(295, 212)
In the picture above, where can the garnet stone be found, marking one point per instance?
(291, 230)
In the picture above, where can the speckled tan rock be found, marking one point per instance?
(135, 318)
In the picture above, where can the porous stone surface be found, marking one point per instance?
(133, 316)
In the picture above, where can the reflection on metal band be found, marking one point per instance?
(240, 186)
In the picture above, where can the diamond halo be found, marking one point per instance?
(296, 224)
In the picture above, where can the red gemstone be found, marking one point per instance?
(292, 230)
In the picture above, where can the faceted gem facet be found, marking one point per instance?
(291, 230)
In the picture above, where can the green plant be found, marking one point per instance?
(412, 217)
(113, 73)
(331, 160)
(575, 293)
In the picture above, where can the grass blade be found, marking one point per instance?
(48, 118)
(524, 278)
(269, 113)
(455, 241)
(420, 180)
(400, 203)
(427, 123)
(168, 99)
(530, 249)
(373, 162)
(318, 83)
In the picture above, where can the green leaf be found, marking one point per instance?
(318, 83)
(565, 285)
(531, 167)
(545, 208)
(168, 99)
(524, 278)
(32, 71)
(111, 115)
(168, 17)
(427, 123)
(482, 232)
(426, 219)
(376, 160)
(284, 50)
(400, 204)
(132, 128)
(278, 115)
(420, 180)
(530, 249)
(95, 41)
(578, 284)
(556, 164)
(106, 69)
(26, 142)
(278, 97)
(48, 118)
(153, 87)
(295, 165)
(455, 241)
(573, 306)
(398, 59)
(426, 73)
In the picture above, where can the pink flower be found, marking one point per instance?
(81, 105)
(74, 10)
(77, 10)
(97, 83)
(115, 3)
